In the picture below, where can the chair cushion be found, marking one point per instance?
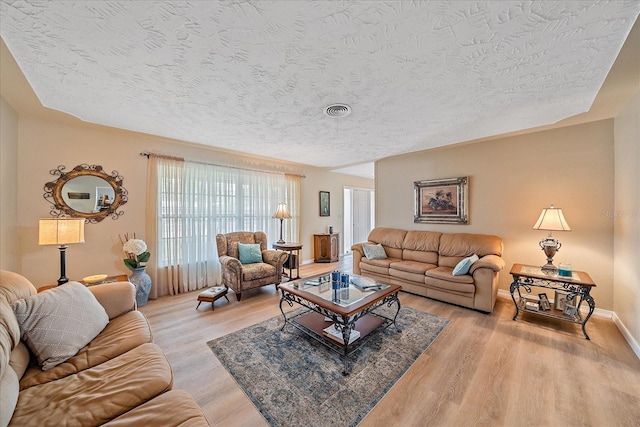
(58, 322)
(257, 271)
(249, 253)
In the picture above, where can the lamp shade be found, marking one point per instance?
(282, 212)
(60, 231)
(552, 219)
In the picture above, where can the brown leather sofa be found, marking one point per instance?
(241, 277)
(422, 262)
(119, 379)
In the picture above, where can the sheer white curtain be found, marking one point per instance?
(189, 203)
(291, 226)
(185, 242)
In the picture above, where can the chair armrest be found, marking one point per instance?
(275, 258)
(117, 298)
(230, 263)
(492, 262)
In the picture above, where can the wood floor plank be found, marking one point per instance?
(481, 370)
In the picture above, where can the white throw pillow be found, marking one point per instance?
(56, 323)
(374, 251)
(464, 265)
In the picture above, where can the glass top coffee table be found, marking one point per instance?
(340, 318)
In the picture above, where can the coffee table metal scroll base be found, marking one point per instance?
(344, 323)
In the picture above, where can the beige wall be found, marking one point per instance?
(626, 218)
(43, 145)
(9, 241)
(318, 180)
(511, 180)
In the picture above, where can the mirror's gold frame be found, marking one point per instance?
(53, 193)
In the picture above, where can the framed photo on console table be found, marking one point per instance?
(442, 201)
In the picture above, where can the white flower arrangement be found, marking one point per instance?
(135, 251)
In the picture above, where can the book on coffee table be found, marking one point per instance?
(336, 334)
(365, 283)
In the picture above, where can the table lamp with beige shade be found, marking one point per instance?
(281, 214)
(551, 219)
(61, 232)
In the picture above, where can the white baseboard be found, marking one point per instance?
(608, 314)
(627, 335)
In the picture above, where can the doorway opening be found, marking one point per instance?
(359, 215)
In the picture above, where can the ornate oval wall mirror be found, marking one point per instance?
(86, 192)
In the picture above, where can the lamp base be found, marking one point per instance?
(549, 269)
(280, 242)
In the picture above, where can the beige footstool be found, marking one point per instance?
(212, 294)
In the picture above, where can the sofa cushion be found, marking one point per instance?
(58, 322)
(445, 273)
(99, 394)
(391, 237)
(184, 412)
(412, 266)
(441, 278)
(454, 247)
(422, 241)
(464, 265)
(119, 336)
(379, 266)
(374, 251)
(249, 253)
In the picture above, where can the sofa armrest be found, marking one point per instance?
(492, 262)
(358, 253)
(117, 298)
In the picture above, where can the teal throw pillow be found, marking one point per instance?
(249, 253)
(464, 265)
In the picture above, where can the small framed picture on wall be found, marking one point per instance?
(325, 203)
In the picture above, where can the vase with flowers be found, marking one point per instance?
(136, 258)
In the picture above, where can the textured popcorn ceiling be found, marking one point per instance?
(255, 76)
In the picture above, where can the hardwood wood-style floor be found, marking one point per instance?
(483, 370)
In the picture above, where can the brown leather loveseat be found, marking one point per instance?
(422, 262)
(120, 378)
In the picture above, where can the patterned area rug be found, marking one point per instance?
(295, 381)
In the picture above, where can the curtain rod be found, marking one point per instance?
(147, 155)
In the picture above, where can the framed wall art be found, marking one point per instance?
(325, 203)
(442, 201)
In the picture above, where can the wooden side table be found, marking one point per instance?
(293, 262)
(578, 285)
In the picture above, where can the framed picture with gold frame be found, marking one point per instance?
(442, 201)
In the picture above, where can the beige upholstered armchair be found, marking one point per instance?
(265, 267)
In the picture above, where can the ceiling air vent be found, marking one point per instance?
(337, 110)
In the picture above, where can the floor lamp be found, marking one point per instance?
(281, 214)
(61, 232)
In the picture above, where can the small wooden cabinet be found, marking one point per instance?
(326, 247)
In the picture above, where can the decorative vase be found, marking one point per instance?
(142, 281)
